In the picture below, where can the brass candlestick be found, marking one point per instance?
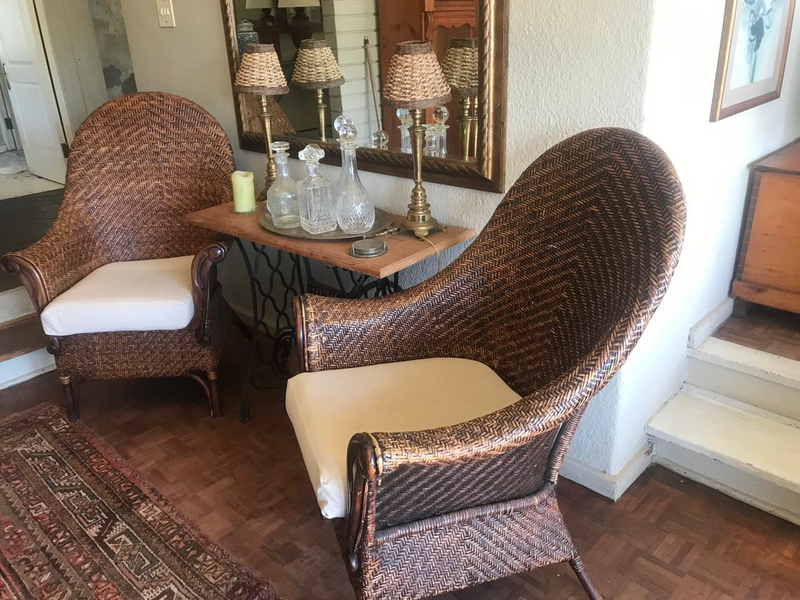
(474, 126)
(465, 123)
(419, 218)
(266, 120)
(321, 113)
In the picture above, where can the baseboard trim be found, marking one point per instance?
(605, 484)
(710, 323)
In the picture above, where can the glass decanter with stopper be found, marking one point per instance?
(282, 194)
(440, 115)
(404, 116)
(315, 195)
(355, 213)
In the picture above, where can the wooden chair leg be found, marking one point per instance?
(209, 385)
(71, 398)
(591, 591)
(213, 396)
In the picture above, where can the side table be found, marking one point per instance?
(289, 273)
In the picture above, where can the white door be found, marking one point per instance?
(32, 99)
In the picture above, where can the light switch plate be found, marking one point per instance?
(166, 15)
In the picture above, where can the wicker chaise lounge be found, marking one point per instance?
(124, 287)
(460, 396)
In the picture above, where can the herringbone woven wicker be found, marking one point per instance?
(137, 165)
(553, 295)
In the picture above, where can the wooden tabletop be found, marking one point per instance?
(404, 249)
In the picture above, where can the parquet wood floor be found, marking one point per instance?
(247, 488)
(768, 329)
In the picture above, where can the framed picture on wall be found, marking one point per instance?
(752, 55)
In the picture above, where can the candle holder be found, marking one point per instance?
(461, 71)
(260, 73)
(315, 68)
(414, 80)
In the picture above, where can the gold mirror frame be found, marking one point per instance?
(486, 173)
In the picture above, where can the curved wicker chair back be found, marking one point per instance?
(136, 166)
(574, 261)
(553, 295)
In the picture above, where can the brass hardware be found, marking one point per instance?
(321, 110)
(272, 169)
(474, 125)
(419, 218)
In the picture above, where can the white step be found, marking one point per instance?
(22, 343)
(730, 446)
(764, 380)
(15, 304)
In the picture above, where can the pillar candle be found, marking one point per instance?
(244, 195)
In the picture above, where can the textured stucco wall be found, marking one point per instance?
(573, 64)
(713, 161)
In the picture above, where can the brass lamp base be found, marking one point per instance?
(272, 168)
(419, 218)
(421, 228)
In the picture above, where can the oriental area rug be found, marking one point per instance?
(76, 522)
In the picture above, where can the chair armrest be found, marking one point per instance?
(339, 333)
(54, 264)
(205, 285)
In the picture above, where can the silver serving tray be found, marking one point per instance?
(383, 222)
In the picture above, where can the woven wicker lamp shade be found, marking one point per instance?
(461, 66)
(414, 78)
(260, 72)
(315, 66)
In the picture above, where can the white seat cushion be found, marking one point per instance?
(328, 407)
(142, 295)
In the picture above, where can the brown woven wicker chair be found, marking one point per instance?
(137, 165)
(552, 295)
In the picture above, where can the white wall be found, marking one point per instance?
(574, 64)
(713, 161)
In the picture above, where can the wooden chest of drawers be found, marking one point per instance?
(768, 267)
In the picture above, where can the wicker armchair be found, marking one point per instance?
(137, 165)
(552, 295)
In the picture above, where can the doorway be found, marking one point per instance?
(61, 59)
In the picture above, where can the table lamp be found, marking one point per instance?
(461, 71)
(315, 68)
(300, 27)
(260, 73)
(414, 80)
(266, 7)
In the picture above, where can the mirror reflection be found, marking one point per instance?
(335, 55)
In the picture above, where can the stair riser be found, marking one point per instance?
(15, 304)
(730, 480)
(757, 391)
(25, 367)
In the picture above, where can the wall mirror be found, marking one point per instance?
(362, 35)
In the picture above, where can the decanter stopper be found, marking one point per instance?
(355, 213)
(315, 195)
(341, 120)
(282, 194)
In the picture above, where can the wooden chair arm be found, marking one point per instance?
(31, 277)
(205, 285)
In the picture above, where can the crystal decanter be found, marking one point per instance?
(440, 115)
(404, 116)
(315, 195)
(355, 213)
(282, 194)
